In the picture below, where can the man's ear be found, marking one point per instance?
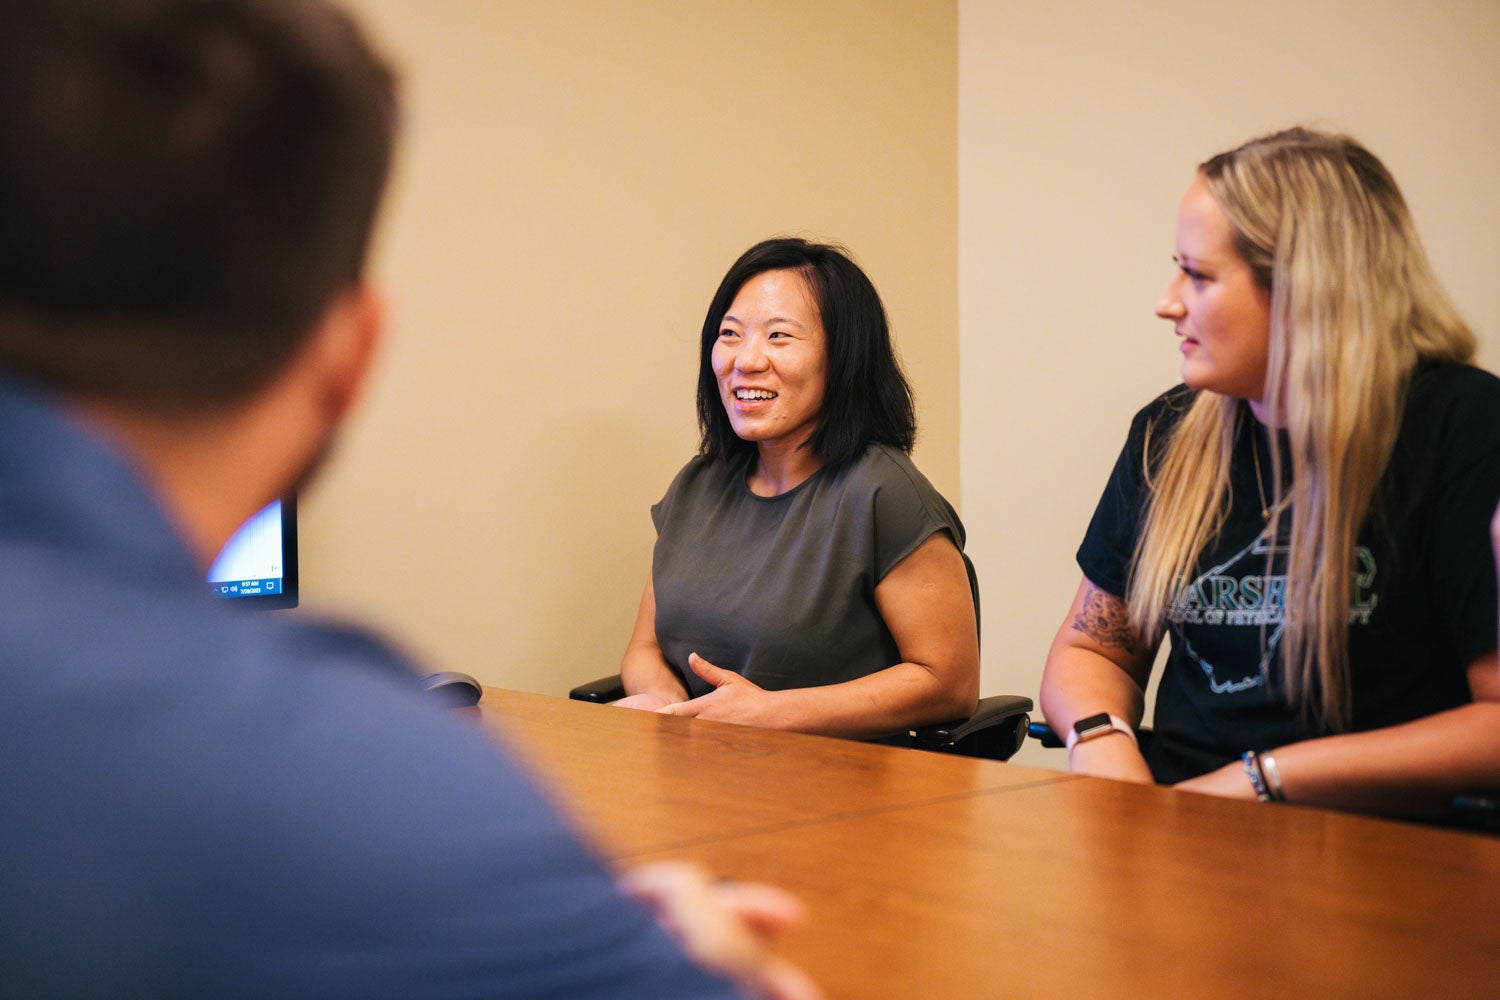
(344, 345)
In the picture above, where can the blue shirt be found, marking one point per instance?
(203, 802)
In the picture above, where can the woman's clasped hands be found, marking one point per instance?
(733, 699)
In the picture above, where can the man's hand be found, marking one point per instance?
(725, 926)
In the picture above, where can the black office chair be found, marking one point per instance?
(1478, 811)
(995, 731)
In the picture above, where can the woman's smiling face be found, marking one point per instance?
(771, 360)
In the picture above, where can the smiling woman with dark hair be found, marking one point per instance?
(806, 576)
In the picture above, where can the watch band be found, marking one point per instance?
(1092, 726)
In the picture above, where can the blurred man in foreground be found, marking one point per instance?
(199, 802)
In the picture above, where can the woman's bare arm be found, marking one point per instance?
(1098, 664)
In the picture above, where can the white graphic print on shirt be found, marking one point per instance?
(1231, 616)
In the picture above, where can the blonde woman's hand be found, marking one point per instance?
(1229, 781)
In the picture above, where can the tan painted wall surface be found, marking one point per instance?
(576, 178)
(1080, 126)
(577, 175)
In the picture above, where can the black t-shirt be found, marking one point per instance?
(1423, 603)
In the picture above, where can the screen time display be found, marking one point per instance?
(250, 564)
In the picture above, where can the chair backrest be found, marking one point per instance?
(974, 589)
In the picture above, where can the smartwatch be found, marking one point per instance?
(1091, 726)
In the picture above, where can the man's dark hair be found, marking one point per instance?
(185, 186)
(866, 400)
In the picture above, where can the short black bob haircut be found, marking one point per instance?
(866, 400)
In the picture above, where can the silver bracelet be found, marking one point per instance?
(1273, 778)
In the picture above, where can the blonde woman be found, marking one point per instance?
(1305, 517)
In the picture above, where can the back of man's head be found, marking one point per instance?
(185, 185)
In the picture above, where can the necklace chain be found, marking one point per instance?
(1260, 486)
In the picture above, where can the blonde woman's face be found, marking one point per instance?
(1221, 315)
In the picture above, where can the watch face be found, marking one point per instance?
(1089, 725)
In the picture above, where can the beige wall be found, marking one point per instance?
(1080, 125)
(576, 178)
(577, 175)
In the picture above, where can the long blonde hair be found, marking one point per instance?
(1354, 307)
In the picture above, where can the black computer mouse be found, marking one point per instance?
(455, 689)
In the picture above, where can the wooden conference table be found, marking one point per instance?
(927, 875)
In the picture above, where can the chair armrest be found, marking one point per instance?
(1046, 734)
(995, 730)
(601, 691)
(1477, 811)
